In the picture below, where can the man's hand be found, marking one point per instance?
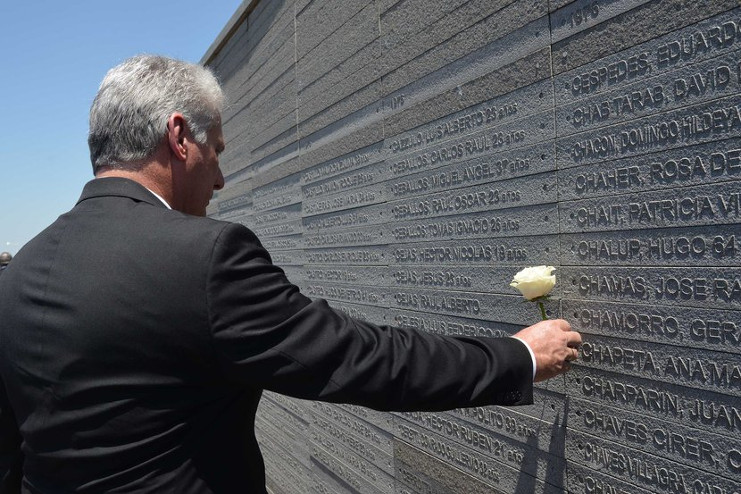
(554, 346)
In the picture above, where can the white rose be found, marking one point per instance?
(535, 281)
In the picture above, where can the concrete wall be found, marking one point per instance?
(404, 158)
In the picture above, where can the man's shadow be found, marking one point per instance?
(555, 461)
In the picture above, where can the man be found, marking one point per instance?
(5, 259)
(137, 334)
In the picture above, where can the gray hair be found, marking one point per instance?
(129, 115)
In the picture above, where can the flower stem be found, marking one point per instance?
(542, 310)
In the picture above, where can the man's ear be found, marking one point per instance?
(176, 130)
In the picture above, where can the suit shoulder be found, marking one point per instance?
(204, 230)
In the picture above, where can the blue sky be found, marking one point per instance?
(54, 54)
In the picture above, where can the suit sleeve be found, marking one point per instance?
(11, 458)
(268, 335)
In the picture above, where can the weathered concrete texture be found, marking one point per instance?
(330, 94)
(346, 140)
(349, 38)
(422, 472)
(276, 137)
(641, 24)
(520, 73)
(557, 4)
(341, 80)
(278, 61)
(408, 17)
(402, 159)
(357, 99)
(286, 169)
(464, 31)
(320, 19)
(258, 41)
(267, 109)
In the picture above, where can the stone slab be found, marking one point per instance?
(712, 162)
(702, 205)
(692, 367)
(689, 327)
(691, 84)
(713, 412)
(646, 470)
(692, 44)
(631, 28)
(582, 14)
(697, 124)
(700, 449)
(702, 287)
(490, 168)
(506, 137)
(492, 251)
(481, 466)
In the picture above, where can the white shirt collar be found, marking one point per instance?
(159, 197)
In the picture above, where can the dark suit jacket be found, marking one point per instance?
(135, 342)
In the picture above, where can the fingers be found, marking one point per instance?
(563, 324)
(573, 338)
(554, 346)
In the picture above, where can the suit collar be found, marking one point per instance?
(119, 187)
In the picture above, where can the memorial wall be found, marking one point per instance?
(403, 159)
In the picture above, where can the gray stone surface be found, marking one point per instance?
(320, 18)
(500, 81)
(402, 159)
(635, 26)
(694, 43)
(696, 124)
(361, 95)
(495, 251)
(488, 462)
(349, 38)
(648, 471)
(713, 245)
(694, 83)
(463, 31)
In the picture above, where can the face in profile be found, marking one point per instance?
(203, 173)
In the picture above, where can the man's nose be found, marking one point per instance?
(219, 181)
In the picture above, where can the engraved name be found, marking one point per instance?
(629, 322)
(661, 248)
(432, 278)
(466, 173)
(466, 435)
(340, 238)
(335, 167)
(452, 127)
(493, 418)
(344, 256)
(343, 293)
(710, 38)
(261, 219)
(456, 304)
(348, 219)
(658, 212)
(460, 253)
(340, 202)
(687, 369)
(337, 185)
(461, 150)
(658, 135)
(457, 202)
(436, 326)
(687, 447)
(487, 469)
(453, 228)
